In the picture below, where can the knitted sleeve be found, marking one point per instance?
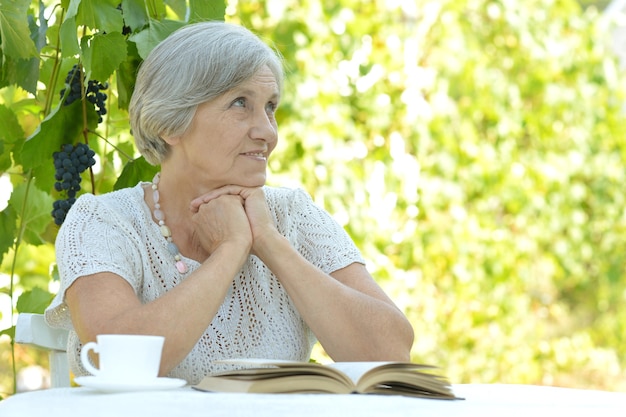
(93, 239)
(312, 230)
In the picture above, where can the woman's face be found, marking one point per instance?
(231, 137)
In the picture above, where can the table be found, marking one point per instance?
(483, 400)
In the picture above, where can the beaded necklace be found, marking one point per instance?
(165, 231)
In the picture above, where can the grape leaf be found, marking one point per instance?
(104, 54)
(14, 33)
(9, 332)
(8, 220)
(134, 171)
(38, 33)
(156, 9)
(34, 301)
(201, 10)
(179, 7)
(150, 37)
(57, 128)
(44, 174)
(34, 210)
(102, 15)
(27, 70)
(69, 38)
(134, 14)
(5, 154)
(5, 160)
(71, 8)
(126, 74)
(11, 135)
(11, 131)
(20, 70)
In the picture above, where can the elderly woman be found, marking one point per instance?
(206, 254)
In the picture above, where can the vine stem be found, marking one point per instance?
(55, 70)
(118, 149)
(152, 9)
(83, 100)
(16, 246)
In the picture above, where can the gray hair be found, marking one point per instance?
(195, 64)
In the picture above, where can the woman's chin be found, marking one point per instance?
(251, 183)
(255, 181)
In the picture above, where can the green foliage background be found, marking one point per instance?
(474, 149)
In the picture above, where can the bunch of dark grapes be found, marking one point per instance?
(96, 97)
(93, 94)
(72, 81)
(69, 163)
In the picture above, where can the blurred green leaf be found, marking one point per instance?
(134, 14)
(201, 10)
(68, 38)
(126, 74)
(14, 32)
(58, 128)
(135, 171)
(34, 301)
(103, 55)
(100, 14)
(150, 37)
(8, 229)
(33, 208)
(9, 332)
(11, 130)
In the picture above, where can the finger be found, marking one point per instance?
(205, 198)
(225, 190)
(199, 202)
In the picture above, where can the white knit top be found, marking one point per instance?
(115, 232)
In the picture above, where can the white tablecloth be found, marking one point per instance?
(489, 400)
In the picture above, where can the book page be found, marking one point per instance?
(287, 383)
(276, 368)
(347, 371)
(355, 370)
(267, 375)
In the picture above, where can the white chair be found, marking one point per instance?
(32, 329)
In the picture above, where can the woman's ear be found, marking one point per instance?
(171, 140)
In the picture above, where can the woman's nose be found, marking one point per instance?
(264, 127)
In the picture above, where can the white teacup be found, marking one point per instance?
(124, 357)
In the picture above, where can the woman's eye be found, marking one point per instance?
(271, 107)
(239, 102)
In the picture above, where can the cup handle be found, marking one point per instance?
(84, 357)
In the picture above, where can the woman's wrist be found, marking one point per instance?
(233, 249)
(271, 244)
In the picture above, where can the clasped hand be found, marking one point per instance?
(231, 214)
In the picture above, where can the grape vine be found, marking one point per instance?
(69, 163)
(72, 160)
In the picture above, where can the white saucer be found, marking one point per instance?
(105, 385)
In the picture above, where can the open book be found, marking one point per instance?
(275, 376)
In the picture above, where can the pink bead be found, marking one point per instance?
(182, 268)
